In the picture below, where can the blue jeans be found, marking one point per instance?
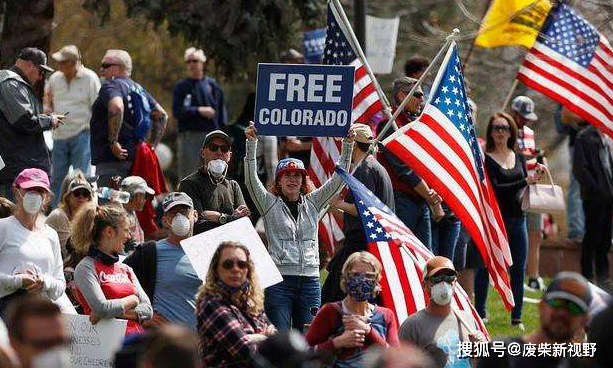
(518, 243)
(415, 214)
(574, 208)
(73, 151)
(445, 235)
(292, 302)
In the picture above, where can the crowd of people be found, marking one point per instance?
(108, 245)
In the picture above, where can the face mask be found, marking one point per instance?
(32, 202)
(217, 167)
(441, 293)
(180, 225)
(360, 288)
(55, 357)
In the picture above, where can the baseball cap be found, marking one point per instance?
(176, 198)
(32, 178)
(570, 286)
(437, 264)
(136, 184)
(288, 165)
(524, 106)
(36, 56)
(216, 134)
(67, 53)
(363, 133)
(79, 184)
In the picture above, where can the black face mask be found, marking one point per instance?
(106, 259)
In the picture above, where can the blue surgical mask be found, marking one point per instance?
(360, 287)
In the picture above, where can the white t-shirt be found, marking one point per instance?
(22, 249)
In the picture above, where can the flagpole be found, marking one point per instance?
(472, 44)
(509, 95)
(400, 108)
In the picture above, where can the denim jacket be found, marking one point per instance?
(293, 243)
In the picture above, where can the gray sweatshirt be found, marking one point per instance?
(293, 244)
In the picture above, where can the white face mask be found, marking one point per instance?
(32, 202)
(55, 357)
(217, 167)
(442, 293)
(181, 225)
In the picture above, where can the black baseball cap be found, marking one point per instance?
(217, 134)
(36, 56)
(570, 286)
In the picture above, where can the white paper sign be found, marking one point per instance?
(381, 35)
(200, 248)
(94, 345)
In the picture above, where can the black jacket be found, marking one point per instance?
(144, 264)
(589, 166)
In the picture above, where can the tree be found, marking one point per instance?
(235, 34)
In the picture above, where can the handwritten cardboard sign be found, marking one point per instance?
(94, 345)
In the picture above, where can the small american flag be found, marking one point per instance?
(403, 258)
(572, 63)
(442, 148)
(326, 151)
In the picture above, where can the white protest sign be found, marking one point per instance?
(381, 35)
(200, 248)
(94, 345)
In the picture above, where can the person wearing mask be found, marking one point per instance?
(30, 255)
(198, 104)
(78, 193)
(506, 170)
(374, 176)
(348, 327)
(139, 191)
(230, 314)
(437, 329)
(22, 121)
(217, 199)
(107, 288)
(163, 269)
(73, 89)
(563, 315)
(37, 333)
(290, 210)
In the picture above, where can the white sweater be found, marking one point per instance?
(22, 249)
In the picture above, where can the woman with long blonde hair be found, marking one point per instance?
(230, 314)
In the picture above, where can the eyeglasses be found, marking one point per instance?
(442, 278)
(228, 264)
(214, 148)
(418, 94)
(572, 307)
(501, 128)
(191, 61)
(81, 193)
(107, 65)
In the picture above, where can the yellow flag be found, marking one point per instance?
(513, 22)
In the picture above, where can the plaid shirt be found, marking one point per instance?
(223, 330)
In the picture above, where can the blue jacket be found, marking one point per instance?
(189, 94)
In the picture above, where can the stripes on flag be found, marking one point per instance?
(572, 63)
(326, 151)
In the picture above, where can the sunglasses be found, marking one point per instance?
(82, 193)
(214, 148)
(228, 264)
(442, 278)
(501, 128)
(107, 65)
(191, 61)
(418, 94)
(572, 307)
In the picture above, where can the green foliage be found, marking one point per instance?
(235, 34)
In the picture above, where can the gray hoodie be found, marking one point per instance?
(293, 244)
(22, 124)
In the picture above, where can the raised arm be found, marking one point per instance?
(261, 197)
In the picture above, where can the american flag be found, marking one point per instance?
(403, 258)
(442, 148)
(326, 151)
(573, 64)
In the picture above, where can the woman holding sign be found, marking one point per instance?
(290, 209)
(107, 288)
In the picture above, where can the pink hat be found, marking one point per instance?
(32, 178)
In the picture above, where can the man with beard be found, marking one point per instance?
(563, 315)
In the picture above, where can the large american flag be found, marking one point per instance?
(403, 258)
(573, 64)
(326, 151)
(441, 147)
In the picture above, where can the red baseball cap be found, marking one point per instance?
(32, 178)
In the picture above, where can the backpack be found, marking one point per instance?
(139, 106)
